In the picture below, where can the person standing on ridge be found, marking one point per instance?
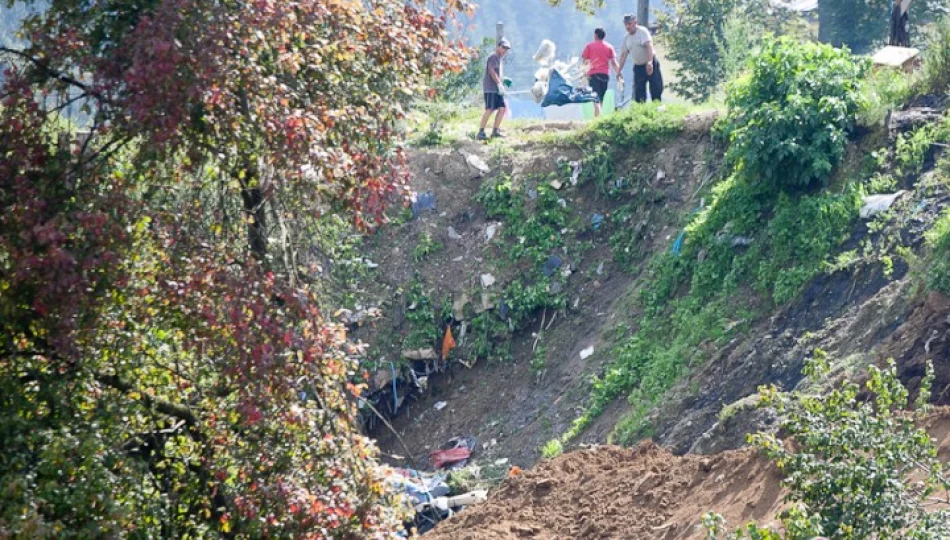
(493, 85)
(602, 57)
(646, 67)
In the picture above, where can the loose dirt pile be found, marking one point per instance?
(643, 493)
(612, 492)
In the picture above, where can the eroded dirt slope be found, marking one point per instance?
(644, 492)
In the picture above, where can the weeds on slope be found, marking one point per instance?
(767, 231)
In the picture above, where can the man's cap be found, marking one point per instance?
(629, 17)
(504, 43)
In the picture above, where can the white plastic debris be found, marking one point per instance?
(453, 235)
(440, 405)
(585, 354)
(660, 174)
(491, 230)
(875, 204)
(487, 280)
(476, 162)
(545, 53)
(575, 172)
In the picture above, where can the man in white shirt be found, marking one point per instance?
(646, 67)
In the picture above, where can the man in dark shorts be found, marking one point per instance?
(494, 88)
(601, 57)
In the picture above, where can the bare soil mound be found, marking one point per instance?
(644, 492)
(611, 492)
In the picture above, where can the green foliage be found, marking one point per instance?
(499, 200)
(938, 240)
(489, 337)
(858, 468)
(711, 39)
(789, 118)
(884, 90)
(420, 314)
(552, 449)
(751, 238)
(425, 246)
(936, 75)
(524, 300)
(639, 125)
(460, 86)
(912, 148)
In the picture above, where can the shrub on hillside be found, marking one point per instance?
(858, 468)
(936, 77)
(789, 118)
(938, 239)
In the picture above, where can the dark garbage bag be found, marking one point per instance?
(562, 93)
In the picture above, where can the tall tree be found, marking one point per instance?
(165, 369)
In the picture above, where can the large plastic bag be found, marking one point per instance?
(562, 93)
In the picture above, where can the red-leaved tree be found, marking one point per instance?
(165, 369)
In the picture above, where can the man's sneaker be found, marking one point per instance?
(481, 136)
(497, 134)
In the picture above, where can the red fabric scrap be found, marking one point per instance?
(441, 458)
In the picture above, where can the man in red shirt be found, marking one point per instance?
(602, 57)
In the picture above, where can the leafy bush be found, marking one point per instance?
(552, 449)
(936, 75)
(711, 39)
(859, 468)
(789, 118)
(639, 125)
(938, 239)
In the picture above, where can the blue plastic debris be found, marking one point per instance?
(553, 263)
(422, 202)
(596, 221)
(503, 310)
(678, 244)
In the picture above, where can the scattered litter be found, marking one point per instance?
(454, 453)
(566, 272)
(490, 444)
(585, 354)
(741, 241)
(553, 263)
(678, 244)
(448, 343)
(575, 172)
(440, 405)
(596, 221)
(660, 174)
(476, 162)
(545, 52)
(491, 230)
(875, 204)
(458, 308)
(487, 280)
(370, 264)
(577, 301)
(425, 353)
(422, 202)
(503, 310)
(458, 259)
(620, 183)
(600, 268)
(502, 461)
(454, 235)
(556, 184)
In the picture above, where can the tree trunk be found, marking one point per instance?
(643, 13)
